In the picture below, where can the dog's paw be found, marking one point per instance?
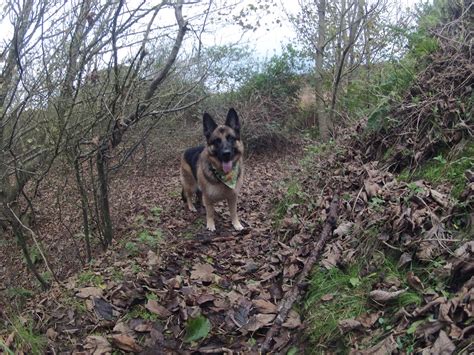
(211, 227)
(237, 226)
(192, 209)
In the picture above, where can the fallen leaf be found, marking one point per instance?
(291, 271)
(346, 325)
(175, 282)
(455, 332)
(87, 292)
(264, 306)
(197, 328)
(126, 342)
(292, 321)
(429, 327)
(327, 297)
(371, 188)
(414, 281)
(385, 296)
(443, 345)
(122, 328)
(140, 325)
(204, 298)
(463, 250)
(152, 259)
(155, 308)
(422, 310)
(103, 309)
(368, 319)
(240, 313)
(202, 272)
(386, 346)
(97, 345)
(440, 198)
(259, 321)
(331, 256)
(51, 334)
(343, 229)
(405, 258)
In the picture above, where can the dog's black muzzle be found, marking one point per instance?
(226, 153)
(226, 156)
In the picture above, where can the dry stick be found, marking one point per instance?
(292, 295)
(38, 247)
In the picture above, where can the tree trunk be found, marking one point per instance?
(85, 209)
(115, 138)
(355, 30)
(320, 109)
(104, 206)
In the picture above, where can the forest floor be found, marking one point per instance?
(165, 271)
(166, 285)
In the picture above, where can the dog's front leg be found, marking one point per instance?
(232, 201)
(209, 214)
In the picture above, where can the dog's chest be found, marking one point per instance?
(218, 192)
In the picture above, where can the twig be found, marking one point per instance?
(33, 235)
(221, 350)
(293, 294)
(355, 201)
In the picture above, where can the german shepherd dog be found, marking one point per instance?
(215, 170)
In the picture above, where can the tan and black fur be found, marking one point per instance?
(200, 166)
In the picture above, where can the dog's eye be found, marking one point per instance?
(216, 141)
(230, 138)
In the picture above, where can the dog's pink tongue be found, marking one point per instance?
(227, 166)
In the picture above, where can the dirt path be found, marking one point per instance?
(195, 290)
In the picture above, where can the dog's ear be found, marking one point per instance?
(209, 125)
(233, 122)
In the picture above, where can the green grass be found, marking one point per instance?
(19, 292)
(151, 239)
(175, 193)
(117, 275)
(314, 150)
(136, 268)
(27, 339)
(35, 256)
(132, 248)
(89, 278)
(156, 212)
(349, 300)
(444, 168)
(349, 291)
(293, 197)
(141, 312)
(5, 349)
(198, 224)
(75, 303)
(18, 296)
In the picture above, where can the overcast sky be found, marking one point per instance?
(266, 40)
(269, 38)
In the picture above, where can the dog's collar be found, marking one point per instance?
(229, 179)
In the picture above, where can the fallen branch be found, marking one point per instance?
(293, 294)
